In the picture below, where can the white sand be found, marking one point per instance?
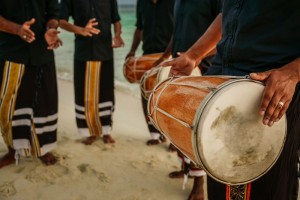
(128, 170)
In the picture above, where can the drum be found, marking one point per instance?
(215, 122)
(156, 75)
(135, 67)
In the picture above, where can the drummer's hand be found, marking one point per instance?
(280, 87)
(181, 66)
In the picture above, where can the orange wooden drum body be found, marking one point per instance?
(176, 103)
(135, 67)
(215, 122)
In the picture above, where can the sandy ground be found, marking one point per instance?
(127, 170)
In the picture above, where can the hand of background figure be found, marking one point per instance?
(183, 65)
(280, 87)
(52, 39)
(118, 42)
(25, 33)
(89, 30)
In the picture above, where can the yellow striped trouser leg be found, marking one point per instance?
(91, 97)
(12, 77)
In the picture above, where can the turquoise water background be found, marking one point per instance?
(64, 54)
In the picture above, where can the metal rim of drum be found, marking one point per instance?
(198, 115)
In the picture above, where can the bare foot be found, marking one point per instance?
(172, 148)
(89, 140)
(161, 139)
(8, 158)
(197, 192)
(48, 159)
(108, 139)
(178, 174)
(152, 142)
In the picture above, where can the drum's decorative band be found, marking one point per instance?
(238, 192)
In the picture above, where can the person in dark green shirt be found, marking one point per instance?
(93, 63)
(261, 40)
(191, 20)
(154, 27)
(29, 102)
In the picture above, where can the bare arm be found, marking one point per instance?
(207, 43)
(117, 39)
(185, 63)
(9, 26)
(167, 53)
(22, 30)
(137, 38)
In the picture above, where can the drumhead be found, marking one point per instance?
(231, 141)
(163, 73)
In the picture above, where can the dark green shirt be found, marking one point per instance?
(258, 36)
(97, 47)
(192, 18)
(12, 47)
(156, 21)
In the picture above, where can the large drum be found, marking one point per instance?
(135, 67)
(215, 122)
(156, 75)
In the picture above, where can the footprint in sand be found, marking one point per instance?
(47, 174)
(86, 169)
(19, 170)
(7, 189)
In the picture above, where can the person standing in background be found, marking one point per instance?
(93, 63)
(191, 19)
(29, 97)
(154, 27)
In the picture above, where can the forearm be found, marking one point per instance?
(117, 29)
(64, 24)
(9, 26)
(168, 50)
(137, 37)
(207, 42)
(294, 66)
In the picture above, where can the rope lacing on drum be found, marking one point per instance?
(134, 66)
(171, 116)
(155, 106)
